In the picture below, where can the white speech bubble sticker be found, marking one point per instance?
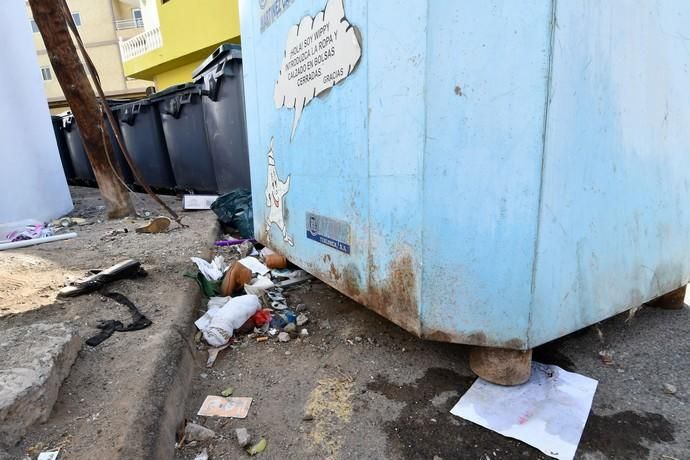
(320, 52)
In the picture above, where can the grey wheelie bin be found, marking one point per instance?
(143, 136)
(63, 150)
(83, 172)
(223, 104)
(182, 119)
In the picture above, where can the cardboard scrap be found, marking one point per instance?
(217, 406)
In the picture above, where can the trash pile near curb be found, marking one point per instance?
(245, 290)
(247, 298)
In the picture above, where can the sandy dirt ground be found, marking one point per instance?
(99, 403)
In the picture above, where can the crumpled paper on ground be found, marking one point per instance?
(548, 412)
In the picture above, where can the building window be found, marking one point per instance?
(77, 18)
(46, 73)
(137, 17)
(34, 26)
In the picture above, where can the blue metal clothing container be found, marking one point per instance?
(494, 173)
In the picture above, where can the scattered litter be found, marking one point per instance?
(35, 241)
(266, 251)
(290, 328)
(606, 357)
(548, 412)
(114, 232)
(283, 337)
(52, 455)
(195, 432)
(109, 327)
(235, 209)
(283, 273)
(211, 270)
(219, 323)
(259, 285)
(213, 354)
(24, 230)
(28, 233)
(197, 202)
(262, 317)
(257, 448)
(217, 406)
(275, 261)
(157, 225)
(302, 319)
(300, 308)
(203, 455)
(129, 268)
(65, 222)
(278, 301)
(358, 339)
(243, 437)
(304, 333)
(273, 332)
(669, 389)
(296, 277)
(261, 339)
(237, 277)
(234, 242)
(254, 265)
(227, 392)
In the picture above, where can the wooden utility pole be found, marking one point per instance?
(75, 85)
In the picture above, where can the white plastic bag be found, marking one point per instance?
(213, 271)
(219, 323)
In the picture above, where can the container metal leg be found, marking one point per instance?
(500, 365)
(674, 300)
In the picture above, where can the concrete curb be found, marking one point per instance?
(152, 433)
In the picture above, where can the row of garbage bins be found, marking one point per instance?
(190, 137)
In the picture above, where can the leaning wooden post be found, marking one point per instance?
(83, 104)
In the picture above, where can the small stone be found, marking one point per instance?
(194, 432)
(302, 319)
(283, 337)
(325, 324)
(358, 339)
(203, 375)
(243, 437)
(304, 333)
(308, 417)
(300, 308)
(290, 327)
(670, 389)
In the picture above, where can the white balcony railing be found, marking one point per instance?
(124, 24)
(141, 44)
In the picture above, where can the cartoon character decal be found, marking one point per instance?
(275, 199)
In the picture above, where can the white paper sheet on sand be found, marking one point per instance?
(548, 412)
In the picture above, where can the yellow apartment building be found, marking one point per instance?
(103, 25)
(178, 35)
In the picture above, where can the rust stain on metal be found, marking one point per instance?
(475, 338)
(395, 297)
(335, 274)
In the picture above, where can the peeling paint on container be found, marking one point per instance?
(470, 180)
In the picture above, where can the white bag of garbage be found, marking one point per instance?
(219, 322)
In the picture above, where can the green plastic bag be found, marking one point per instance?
(235, 209)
